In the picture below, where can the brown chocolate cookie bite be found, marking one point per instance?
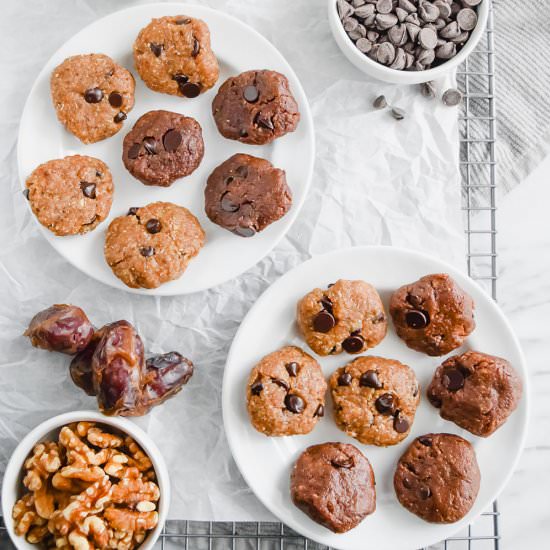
(162, 147)
(333, 483)
(347, 316)
(173, 55)
(255, 107)
(476, 391)
(72, 195)
(438, 478)
(153, 244)
(285, 393)
(375, 400)
(92, 96)
(432, 315)
(245, 194)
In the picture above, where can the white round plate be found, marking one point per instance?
(266, 462)
(238, 48)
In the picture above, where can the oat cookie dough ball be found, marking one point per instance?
(245, 194)
(163, 147)
(153, 244)
(285, 393)
(432, 315)
(347, 316)
(173, 55)
(438, 478)
(333, 483)
(255, 107)
(92, 96)
(375, 400)
(476, 391)
(71, 195)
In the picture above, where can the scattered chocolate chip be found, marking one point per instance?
(98, 174)
(228, 180)
(251, 94)
(294, 403)
(344, 379)
(407, 482)
(425, 493)
(324, 321)
(369, 379)
(320, 411)
(196, 48)
(156, 48)
(385, 404)
(425, 440)
(150, 145)
(242, 171)
(343, 462)
(453, 379)
(397, 113)
(185, 21)
(244, 231)
(190, 89)
(417, 319)
(115, 99)
(120, 116)
(93, 95)
(227, 204)
(88, 189)
(153, 226)
(147, 251)
(265, 122)
(133, 151)
(380, 102)
(353, 343)
(180, 78)
(172, 140)
(292, 368)
(256, 388)
(132, 211)
(26, 193)
(326, 303)
(400, 424)
(281, 383)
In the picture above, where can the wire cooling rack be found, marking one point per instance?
(477, 165)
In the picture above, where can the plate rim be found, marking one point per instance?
(306, 118)
(227, 397)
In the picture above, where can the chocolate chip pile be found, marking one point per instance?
(411, 35)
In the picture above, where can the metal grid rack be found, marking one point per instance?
(478, 167)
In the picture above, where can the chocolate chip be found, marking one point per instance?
(453, 379)
(343, 462)
(294, 403)
(400, 424)
(185, 21)
(228, 205)
(407, 482)
(265, 122)
(229, 180)
(326, 303)
(379, 319)
(256, 388)
(150, 145)
(369, 379)
(324, 321)
(425, 493)
(93, 95)
(292, 368)
(320, 411)
(98, 174)
(133, 151)
(119, 117)
(180, 78)
(26, 193)
(435, 401)
(243, 133)
(153, 226)
(156, 48)
(196, 48)
(171, 140)
(385, 404)
(242, 171)
(417, 319)
(281, 383)
(344, 379)
(132, 211)
(244, 231)
(147, 251)
(190, 89)
(425, 440)
(88, 189)
(353, 343)
(251, 94)
(115, 99)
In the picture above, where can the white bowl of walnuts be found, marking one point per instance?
(407, 41)
(85, 480)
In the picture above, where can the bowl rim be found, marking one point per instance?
(382, 72)
(11, 483)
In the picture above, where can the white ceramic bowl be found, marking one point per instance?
(393, 76)
(12, 487)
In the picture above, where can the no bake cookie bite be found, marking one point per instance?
(346, 316)
(92, 96)
(173, 55)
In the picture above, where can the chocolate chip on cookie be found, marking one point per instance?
(255, 107)
(162, 147)
(92, 95)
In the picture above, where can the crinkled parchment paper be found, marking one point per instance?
(376, 180)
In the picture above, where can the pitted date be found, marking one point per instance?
(61, 327)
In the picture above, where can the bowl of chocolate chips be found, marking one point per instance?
(407, 41)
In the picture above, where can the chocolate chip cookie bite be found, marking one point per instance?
(476, 391)
(173, 55)
(432, 315)
(347, 316)
(245, 194)
(163, 147)
(285, 393)
(92, 96)
(255, 107)
(375, 400)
